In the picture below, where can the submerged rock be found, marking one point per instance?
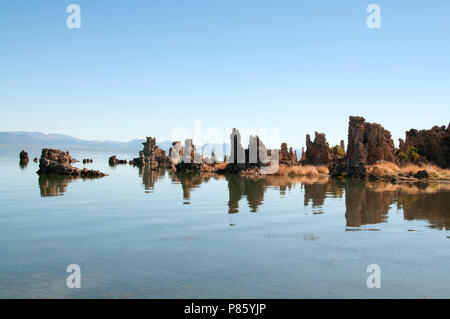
(59, 162)
(113, 161)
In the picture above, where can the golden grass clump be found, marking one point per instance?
(437, 172)
(322, 169)
(299, 170)
(391, 169)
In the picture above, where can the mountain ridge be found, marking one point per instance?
(55, 140)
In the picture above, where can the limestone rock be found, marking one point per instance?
(248, 160)
(256, 154)
(191, 161)
(59, 162)
(431, 145)
(317, 152)
(237, 154)
(175, 153)
(151, 156)
(421, 174)
(286, 156)
(113, 161)
(367, 144)
(23, 158)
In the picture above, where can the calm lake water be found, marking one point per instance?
(156, 234)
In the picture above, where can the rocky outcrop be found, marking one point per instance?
(211, 160)
(151, 156)
(257, 153)
(378, 144)
(113, 161)
(421, 174)
(431, 145)
(60, 163)
(237, 154)
(214, 159)
(246, 161)
(317, 152)
(286, 156)
(367, 144)
(23, 158)
(191, 161)
(175, 153)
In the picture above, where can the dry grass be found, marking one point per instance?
(222, 165)
(391, 169)
(322, 169)
(298, 170)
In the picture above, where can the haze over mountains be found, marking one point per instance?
(38, 139)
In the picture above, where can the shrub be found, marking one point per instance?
(410, 155)
(338, 151)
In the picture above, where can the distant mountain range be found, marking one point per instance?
(38, 139)
(65, 141)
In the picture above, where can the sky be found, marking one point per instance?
(149, 68)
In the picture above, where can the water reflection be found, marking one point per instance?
(53, 185)
(364, 203)
(150, 177)
(189, 181)
(239, 186)
(434, 208)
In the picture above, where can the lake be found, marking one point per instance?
(158, 234)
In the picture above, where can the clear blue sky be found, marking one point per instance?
(139, 68)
